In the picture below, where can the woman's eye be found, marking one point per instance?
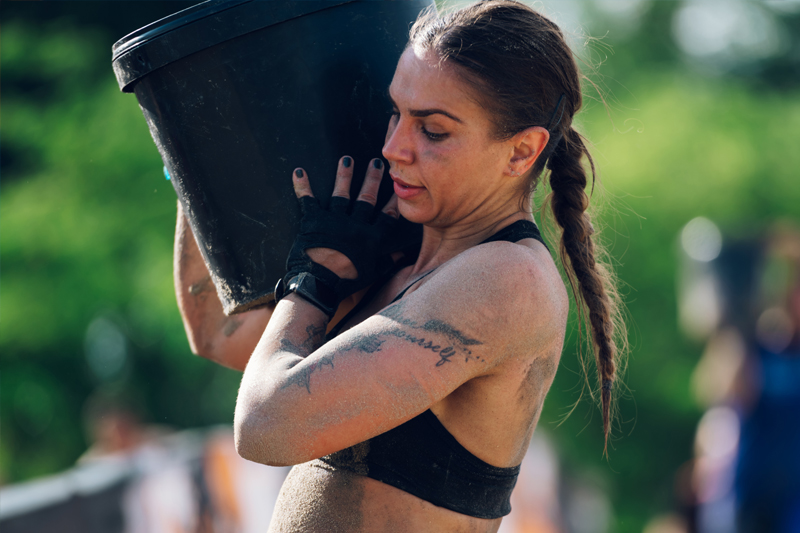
(434, 136)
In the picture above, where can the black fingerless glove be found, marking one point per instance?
(353, 234)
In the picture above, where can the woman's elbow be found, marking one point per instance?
(218, 349)
(261, 441)
(252, 435)
(227, 358)
(201, 343)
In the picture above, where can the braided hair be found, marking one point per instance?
(525, 75)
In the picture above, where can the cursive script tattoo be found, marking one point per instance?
(459, 342)
(444, 353)
(436, 336)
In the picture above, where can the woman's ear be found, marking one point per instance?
(527, 146)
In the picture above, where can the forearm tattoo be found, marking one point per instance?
(302, 378)
(436, 336)
(314, 339)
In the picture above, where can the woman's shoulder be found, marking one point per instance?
(514, 286)
(509, 269)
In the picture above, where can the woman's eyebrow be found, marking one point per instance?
(428, 112)
(421, 113)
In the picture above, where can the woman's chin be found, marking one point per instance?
(412, 213)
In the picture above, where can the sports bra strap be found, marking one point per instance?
(516, 231)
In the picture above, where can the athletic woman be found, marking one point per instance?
(414, 411)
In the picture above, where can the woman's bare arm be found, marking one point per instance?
(301, 399)
(227, 340)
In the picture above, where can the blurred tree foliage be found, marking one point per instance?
(87, 225)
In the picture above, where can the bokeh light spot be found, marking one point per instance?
(106, 348)
(701, 239)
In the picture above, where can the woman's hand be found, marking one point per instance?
(340, 250)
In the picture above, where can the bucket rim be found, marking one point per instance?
(196, 28)
(171, 22)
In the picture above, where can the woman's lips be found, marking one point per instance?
(405, 191)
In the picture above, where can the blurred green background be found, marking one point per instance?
(702, 119)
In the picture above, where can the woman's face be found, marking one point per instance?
(446, 167)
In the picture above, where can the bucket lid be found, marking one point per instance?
(198, 27)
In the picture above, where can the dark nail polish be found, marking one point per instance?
(377, 163)
(298, 173)
(347, 162)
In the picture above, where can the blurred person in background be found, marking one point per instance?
(768, 462)
(745, 477)
(113, 426)
(181, 482)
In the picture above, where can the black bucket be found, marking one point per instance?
(239, 93)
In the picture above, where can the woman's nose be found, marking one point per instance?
(396, 148)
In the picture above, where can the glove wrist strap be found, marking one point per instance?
(311, 289)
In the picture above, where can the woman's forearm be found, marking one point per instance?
(267, 405)
(227, 340)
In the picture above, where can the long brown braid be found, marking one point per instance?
(597, 296)
(525, 75)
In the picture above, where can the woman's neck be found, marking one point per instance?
(442, 244)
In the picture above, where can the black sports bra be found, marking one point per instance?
(422, 458)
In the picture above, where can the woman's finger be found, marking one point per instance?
(369, 190)
(344, 175)
(391, 207)
(302, 187)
